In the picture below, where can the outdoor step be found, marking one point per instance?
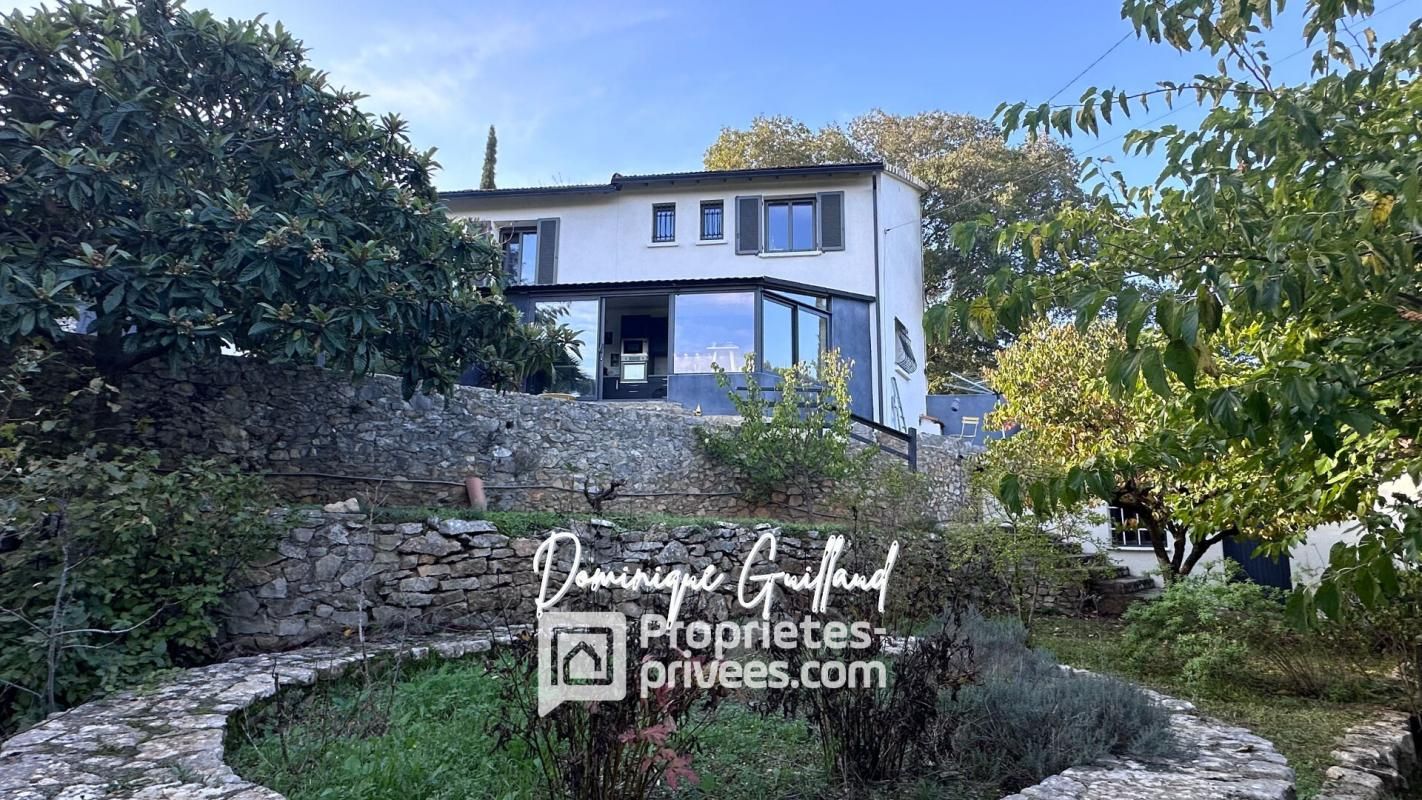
(1123, 585)
(1101, 567)
(1114, 605)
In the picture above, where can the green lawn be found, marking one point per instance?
(1304, 729)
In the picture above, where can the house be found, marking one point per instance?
(669, 274)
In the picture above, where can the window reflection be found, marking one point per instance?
(575, 372)
(713, 329)
(812, 339)
(778, 335)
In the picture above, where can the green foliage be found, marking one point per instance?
(970, 171)
(1084, 439)
(1027, 718)
(1217, 634)
(1017, 567)
(799, 439)
(1279, 239)
(195, 184)
(113, 568)
(491, 158)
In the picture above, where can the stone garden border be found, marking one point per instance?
(1373, 760)
(166, 743)
(1223, 762)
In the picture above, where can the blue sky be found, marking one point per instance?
(581, 90)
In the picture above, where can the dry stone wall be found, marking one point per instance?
(334, 573)
(326, 437)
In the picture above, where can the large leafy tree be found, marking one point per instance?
(970, 171)
(185, 184)
(1280, 238)
(1076, 428)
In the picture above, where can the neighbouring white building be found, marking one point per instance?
(668, 274)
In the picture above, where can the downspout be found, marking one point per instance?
(878, 310)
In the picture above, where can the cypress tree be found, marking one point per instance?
(491, 155)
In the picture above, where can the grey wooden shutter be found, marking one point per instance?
(747, 225)
(547, 251)
(831, 207)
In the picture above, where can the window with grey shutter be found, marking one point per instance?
(831, 207)
(548, 250)
(747, 225)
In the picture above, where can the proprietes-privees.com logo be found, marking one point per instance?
(582, 656)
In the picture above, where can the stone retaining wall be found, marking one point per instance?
(334, 572)
(329, 438)
(1374, 760)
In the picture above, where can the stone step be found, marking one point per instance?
(1127, 584)
(1114, 605)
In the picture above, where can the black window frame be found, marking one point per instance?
(719, 206)
(790, 202)
(819, 311)
(658, 235)
(1125, 537)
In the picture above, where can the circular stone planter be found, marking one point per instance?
(167, 742)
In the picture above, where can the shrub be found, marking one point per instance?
(1027, 718)
(1216, 632)
(608, 750)
(114, 568)
(796, 441)
(1018, 569)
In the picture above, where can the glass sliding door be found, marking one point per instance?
(575, 372)
(712, 329)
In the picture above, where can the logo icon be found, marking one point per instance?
(582, 657)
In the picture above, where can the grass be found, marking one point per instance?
(437, 745)
(1303, 729)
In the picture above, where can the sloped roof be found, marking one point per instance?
(619, 181)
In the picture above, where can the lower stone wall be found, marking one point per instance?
(334, 572)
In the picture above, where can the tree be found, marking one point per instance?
(970, 171)
(1281, 237)
(185, 185)
(491, 157)
(1076, 430)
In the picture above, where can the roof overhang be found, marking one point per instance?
(672, 285)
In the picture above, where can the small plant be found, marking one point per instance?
(1027, 718)
(1019, 567)
(798, 441)
(611, 750)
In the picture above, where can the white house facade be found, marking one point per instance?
(666, 275)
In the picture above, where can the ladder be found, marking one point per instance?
(897, 405)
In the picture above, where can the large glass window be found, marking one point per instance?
(793, 332)
(789, 225)
(575, 372)
(713, 328)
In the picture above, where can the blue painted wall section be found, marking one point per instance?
(850, 324)
(952, 408)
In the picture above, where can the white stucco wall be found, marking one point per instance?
(608, 237)
(901, 272)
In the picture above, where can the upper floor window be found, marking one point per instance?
(903, 348)
(521, 253)
(790, 225)
(530, 251)
(664, 222)
(713, 216)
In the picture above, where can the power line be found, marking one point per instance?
(1098, 60)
